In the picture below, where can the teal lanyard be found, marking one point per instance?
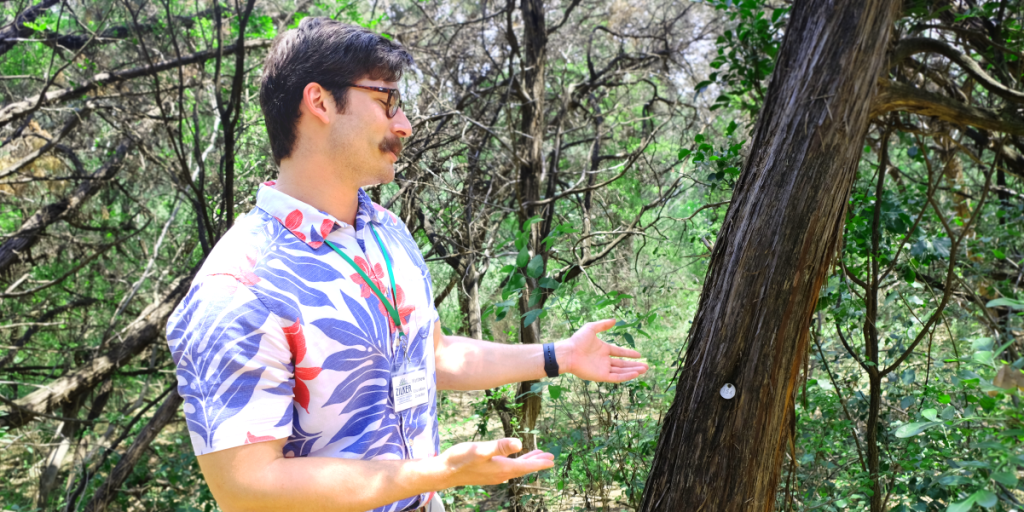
(392, 308)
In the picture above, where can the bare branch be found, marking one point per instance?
(896, 96)
(19, 109)
(914, 45)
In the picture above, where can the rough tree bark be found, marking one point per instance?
(773, 252)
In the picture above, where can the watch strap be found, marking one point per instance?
(550, 362)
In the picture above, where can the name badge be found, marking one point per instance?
(410, 389)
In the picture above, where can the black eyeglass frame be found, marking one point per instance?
(394, 101)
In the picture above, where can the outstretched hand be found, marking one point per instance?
(593, 359)
(488, 462)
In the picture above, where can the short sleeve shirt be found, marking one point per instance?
(280, 337)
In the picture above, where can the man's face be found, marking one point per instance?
(365, 139)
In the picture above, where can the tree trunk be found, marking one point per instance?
(767, 267)
(108, 491)
(141, 333)
(535, 41)
(65, 433)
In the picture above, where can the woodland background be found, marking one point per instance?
(571, 160)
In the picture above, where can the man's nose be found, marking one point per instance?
(400, 125)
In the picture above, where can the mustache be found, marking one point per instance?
(392, 144)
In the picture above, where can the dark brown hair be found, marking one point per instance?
(330, 53)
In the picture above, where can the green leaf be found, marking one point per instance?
(1012, 304)
(983, 357)
(948, 413)
(556, 391)
(985, 498)
(699, 138)
(1007, 478)
(931, 414)
(913, 429)
(523, 259)
(909, 275)
(963, 506)
(909, 376)
(547, 282)
(531, 316)
(683, 153)
(944, 399)
(38, 27)
(951, 480)
(629, 340)
(729, 130)
(535, 268)
(998, 254)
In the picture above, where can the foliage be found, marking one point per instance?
(657, 173)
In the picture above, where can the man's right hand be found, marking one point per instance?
(487, 463)
(257, 477)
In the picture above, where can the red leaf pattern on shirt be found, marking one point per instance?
(297, 344)
(376, 275)
(249, 438)
(293, 222)
(404, 310)
(245, 273)
(325, 227)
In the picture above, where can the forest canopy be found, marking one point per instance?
(571, 160)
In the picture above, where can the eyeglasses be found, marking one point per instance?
(394, 98)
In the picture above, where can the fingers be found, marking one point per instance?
(537, 454)
(622, 377)
(624, 352)
(524, 466)
(500, 447)
(601, 325)
(623, 371)
(622, 363)
(509, 445)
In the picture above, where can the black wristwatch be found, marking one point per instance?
(550, 362)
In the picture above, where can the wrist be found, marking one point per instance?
(563, 353)
(435, 472)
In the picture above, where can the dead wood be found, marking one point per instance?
(30, 231)
(141, 333)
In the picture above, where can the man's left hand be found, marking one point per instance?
(592, 359)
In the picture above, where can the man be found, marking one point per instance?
(308, 350)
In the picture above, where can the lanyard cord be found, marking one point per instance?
(392, 308)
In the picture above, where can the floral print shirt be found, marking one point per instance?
(279, 337)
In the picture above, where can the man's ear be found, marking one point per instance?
(316, 100)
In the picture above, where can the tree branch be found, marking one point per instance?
(914, 45)
(108, 491)
(19, 109)
(138, 335)
(17, 30)
(896, 96)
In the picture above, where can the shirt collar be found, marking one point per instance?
(308, 223)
